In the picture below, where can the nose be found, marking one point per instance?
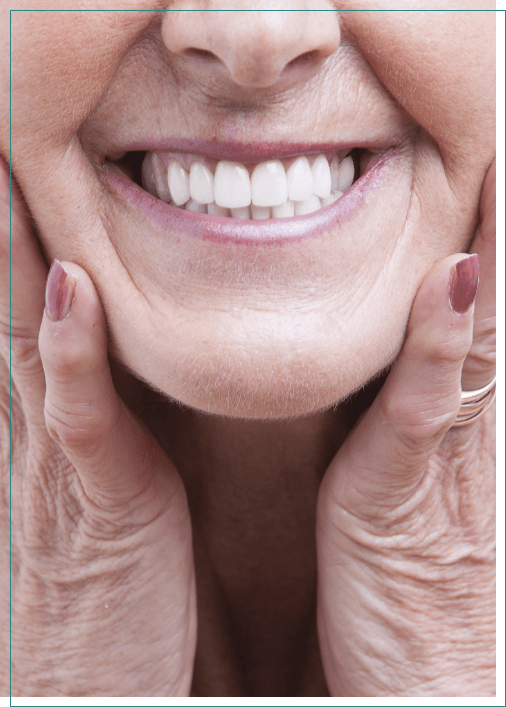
(258, 48)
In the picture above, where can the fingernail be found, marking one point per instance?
(464, 283)
(59, 292)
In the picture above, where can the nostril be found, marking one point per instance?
(200, 54)
(306, 59)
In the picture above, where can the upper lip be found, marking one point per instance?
(246, 151)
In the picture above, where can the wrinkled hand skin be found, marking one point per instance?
(406, 510)
(103, 596)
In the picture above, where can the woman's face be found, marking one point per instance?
(275, 318)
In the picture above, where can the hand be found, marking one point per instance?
(103, 591)
(405, 529)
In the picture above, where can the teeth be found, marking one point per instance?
(201, 183)
(307, 206)
(243, 212)
(346, 174)
(270, 192)
(300, 180)
(285, 210)
(268, 184)
(334, 175)
(216, 210)
(259, 213)
(178, 183)
(196, 206)
(333, 197)
(154, 178)
(321, 177)
(232, 186)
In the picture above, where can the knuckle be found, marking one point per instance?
(74, 426)
(63, 360)
(23, 351)
(449, 352)
(418, 420)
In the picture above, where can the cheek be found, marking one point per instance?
(62, 62)
(440, 66)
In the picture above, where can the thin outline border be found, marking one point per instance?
(142, 702)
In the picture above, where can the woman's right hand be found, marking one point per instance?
(103, 588)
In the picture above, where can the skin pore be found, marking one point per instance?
(265, 338)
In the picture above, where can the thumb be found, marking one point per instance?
(385, 457)
(116, 459)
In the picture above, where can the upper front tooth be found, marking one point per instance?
(346, 174)
(201, 183)
(300, 180)
(178, 183)
(268, 184)
(232, 186)
(321, 177)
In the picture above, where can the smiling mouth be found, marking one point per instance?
(281, 188)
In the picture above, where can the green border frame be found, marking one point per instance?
(501, 465)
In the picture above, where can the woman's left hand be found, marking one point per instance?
(406, 532)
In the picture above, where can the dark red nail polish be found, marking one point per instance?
(58, 292)
(464, 283)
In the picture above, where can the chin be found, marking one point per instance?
(265, 381)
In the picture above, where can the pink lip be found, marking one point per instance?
(273, 231)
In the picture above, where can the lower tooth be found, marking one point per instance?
(259, 213)
(307, 206)
(241, 212)
(196, 206)
(285, 210)
(332, 198)
(216, 210)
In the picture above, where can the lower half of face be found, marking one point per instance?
(263, 319)
(267, 313)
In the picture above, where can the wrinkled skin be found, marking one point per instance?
(122, 497)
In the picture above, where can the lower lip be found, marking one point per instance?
(224, 230)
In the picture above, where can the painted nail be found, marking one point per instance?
(464, 283)
(59, 292)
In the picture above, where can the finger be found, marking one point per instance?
(115, 457)
(22, 281)
(384, 458)
(479, 367)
